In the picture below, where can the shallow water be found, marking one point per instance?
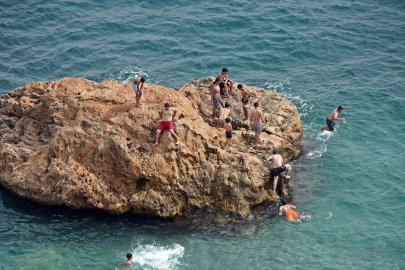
(318, 54)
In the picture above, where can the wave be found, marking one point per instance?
(128, 74)
(157, 257)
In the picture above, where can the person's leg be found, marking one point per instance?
(257, 139)
(226, 90)
(231, 87)
(222, 104)
(326, 128)
(140, 95)
(213, 113)
(275, 184)
(287, 173)
(293, 220)
(136, 100)
(227, 142)
(157, 137)
(245, 110)
(174, 135)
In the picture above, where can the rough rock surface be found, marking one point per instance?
(82, 144)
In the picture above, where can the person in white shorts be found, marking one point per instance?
(137, 86)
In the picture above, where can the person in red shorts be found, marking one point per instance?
(167, 116)
(291, 215)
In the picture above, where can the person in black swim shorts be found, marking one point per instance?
(228, 132)
(330, 121)
(278, 167)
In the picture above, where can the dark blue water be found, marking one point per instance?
(318, 54)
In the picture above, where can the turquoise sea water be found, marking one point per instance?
(319, 54)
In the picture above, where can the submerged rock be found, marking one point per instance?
(82, 144)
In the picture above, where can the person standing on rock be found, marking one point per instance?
(291, 215)
(330, 121)
(225, 82)
(245, 101)
(256, 119)
(278, 167)
(228, 133)
(137, 86)
(216, 97)
(223, 114)
(167, 116)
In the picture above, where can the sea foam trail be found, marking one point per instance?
(322, 137)
(157, 257)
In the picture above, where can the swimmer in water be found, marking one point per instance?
(291, 215)
(129, 258)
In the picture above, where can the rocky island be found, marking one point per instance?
(79, 143)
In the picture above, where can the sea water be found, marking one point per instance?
(318, 54)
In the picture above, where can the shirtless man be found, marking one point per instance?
(223, 114)
(245, 101)
(129, 258)
(278, 167)
(167, 116)
(228, 132)
(137, 86)
(291, 215)
(257, 117)
(225, 82)
(216, 97)
(330, 121)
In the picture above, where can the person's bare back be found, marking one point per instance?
(276, 160)
(224, 113)
(257, 115)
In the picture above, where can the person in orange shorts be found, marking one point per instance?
(291, 215)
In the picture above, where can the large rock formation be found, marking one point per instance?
(79, 143)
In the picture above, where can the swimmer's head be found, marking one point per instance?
(256, 104)
(228, 120)
(340, 108)
(143, 79)
(129, 256)
(275, 152)
(240, 86)
(227, 105)
(283, 202)
(224, 70)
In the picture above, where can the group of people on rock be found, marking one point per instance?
(168, 115)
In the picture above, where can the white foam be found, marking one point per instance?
(128, 74)
(157, 257)
(323, 137)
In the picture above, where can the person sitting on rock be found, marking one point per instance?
(330, 121)
(278, 167)
(216, 97)
(256, 119)
(137, 86)
(291, 215)
(228, 132)
(167, 116)
(225, 82)
(245, 101)
(129, 258)
(223, 113)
